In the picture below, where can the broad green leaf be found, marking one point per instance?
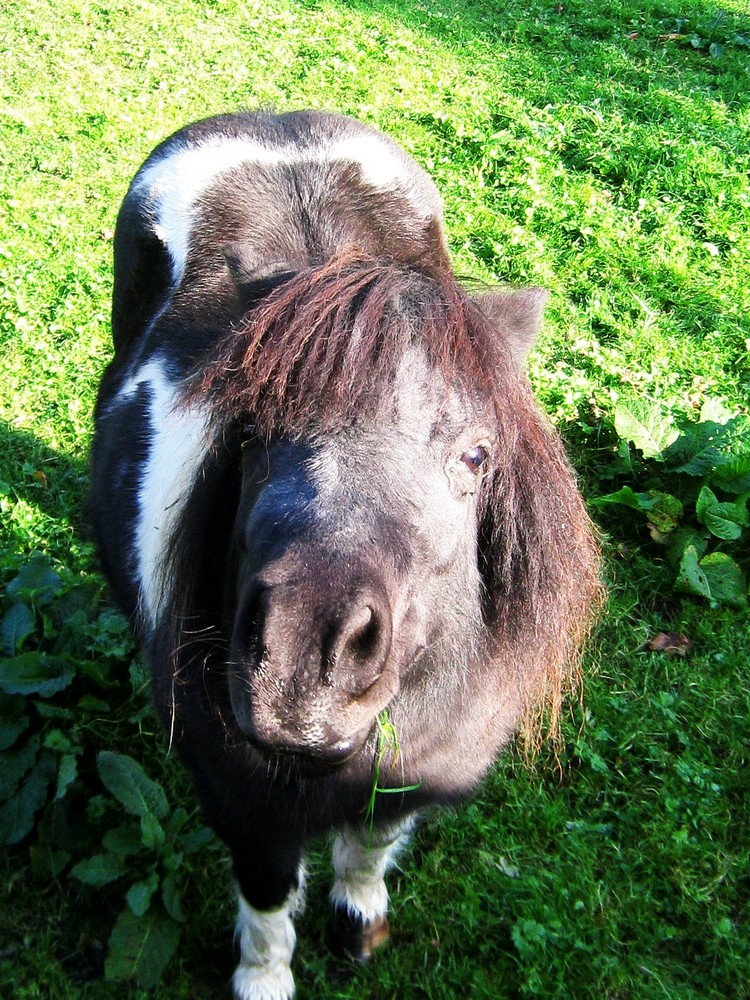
(140, 948)
(124, 840)
(680, 540)
(131, 786)
(627, 498)
(37, 579)
(662, 509)
(47, 862)
(697, 447)
(152, 832)
(171, 898)
(172, 861)
(57, 740)
(176, 822)
(98, 672)
(703, 463)
(14, 720)
(716, 448)
(15, 763)
(691, 579)
(706, 498)
(724, 520)
(196, 839)
(17, 625)
(101, 869)
(49, 710)
(17, 815)
(35, 673)
(647, 425)
(91, 704)
(626, 459)
(716, 577)
(139, 894)
(721, 521)
(66, 774)
(733, 476)
(725, 579)
(666, 512)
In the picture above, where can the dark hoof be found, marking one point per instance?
(356, 938)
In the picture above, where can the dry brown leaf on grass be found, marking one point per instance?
(671, 643)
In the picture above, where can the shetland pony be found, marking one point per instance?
(351, 547)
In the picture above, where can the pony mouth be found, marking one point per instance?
(310, 762)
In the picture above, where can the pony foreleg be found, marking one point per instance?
(359, 896)
(267, 939)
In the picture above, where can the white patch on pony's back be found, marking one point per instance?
(381, 167)
(360, 870)
(267, 942)
(179, 441)
(173, 183)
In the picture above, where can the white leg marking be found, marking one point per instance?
(266, 946)
(360, 869)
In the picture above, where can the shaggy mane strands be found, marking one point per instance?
(322, 347)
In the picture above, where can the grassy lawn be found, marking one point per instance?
(600, 151)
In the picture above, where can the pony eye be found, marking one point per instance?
(475, 458)
(247, 434)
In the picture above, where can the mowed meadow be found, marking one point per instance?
(601, 152)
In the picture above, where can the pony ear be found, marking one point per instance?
(252, 278)
(517, 316)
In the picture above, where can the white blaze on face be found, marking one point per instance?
(173, 184)
(178, 443)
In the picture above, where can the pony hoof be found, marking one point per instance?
(356, 937)
(263, 982)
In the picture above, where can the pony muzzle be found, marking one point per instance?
(312, 666)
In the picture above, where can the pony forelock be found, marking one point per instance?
(322, 348)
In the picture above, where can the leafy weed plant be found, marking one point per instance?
(687, 469)
(63, 648)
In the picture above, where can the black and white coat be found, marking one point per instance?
(293, 576)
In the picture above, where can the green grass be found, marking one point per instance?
(601, 152)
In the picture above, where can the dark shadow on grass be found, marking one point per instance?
(54, 483)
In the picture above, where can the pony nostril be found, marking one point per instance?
(363, 637)
(360, 648)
